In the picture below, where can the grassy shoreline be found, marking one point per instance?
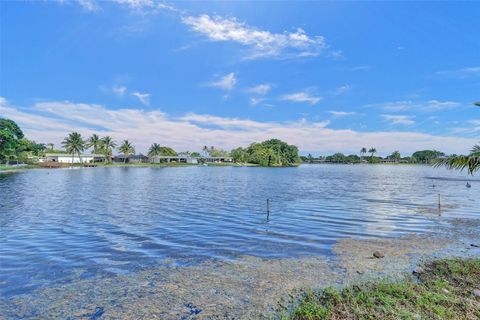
(440, 289)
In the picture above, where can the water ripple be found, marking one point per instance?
(56, 223)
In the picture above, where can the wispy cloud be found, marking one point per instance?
(342, 89)
(261, 43)
(426, 106)
(360, 68)
(52, 121)
(227, 82)
(255, 101)
(460, 73)
(88, 5)
(119, 90)
(301, 97)
(261, 89)
(341, 113)
(146, 6)
(398, 119)
(142, 97)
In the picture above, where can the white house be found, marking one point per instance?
(67, 158)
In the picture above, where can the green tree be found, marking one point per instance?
(74, 144)
(107, 147)
(10, 134)
(214, 152)
(426, 156)
(239, 155)
(273, 152)
(363, 152)
(167, 151)
(127, 149)
(155, 150)
(94, 142)
(372, 151)
(471, 162)
(395, 155)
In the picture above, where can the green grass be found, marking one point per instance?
(443, 291)
(15, 168)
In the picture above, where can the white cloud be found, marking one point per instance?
(119, 90)
(52, 121)
(460, 73)
(255, 101)
(88, 5)
(342, 89)
(342, 113)
(227, 82)
(260, 42)
(426, 106)
(146, 6)
(261, 89)
(142, 97)
(301, 97)
(398, 119)
(440, 105)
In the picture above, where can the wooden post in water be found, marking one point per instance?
(439, 205)
(268, 209)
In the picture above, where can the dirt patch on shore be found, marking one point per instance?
(247, 288)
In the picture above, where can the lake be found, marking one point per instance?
(119, 220)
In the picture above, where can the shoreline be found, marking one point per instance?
(7, 169)
(246, 288)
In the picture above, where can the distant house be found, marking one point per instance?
(189, 159)
(136, 158)
(183, 159)
(67, 158)
(218, 159)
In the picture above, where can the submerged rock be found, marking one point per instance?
(418, 270)
(378, 255)
(476, 293)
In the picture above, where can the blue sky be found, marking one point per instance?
(326, 76)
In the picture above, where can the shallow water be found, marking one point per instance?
(103, 221)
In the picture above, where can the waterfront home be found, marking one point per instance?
(136, 158)
(189, 159)
(182, 159)
(67, 158)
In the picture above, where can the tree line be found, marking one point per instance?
(273, 152)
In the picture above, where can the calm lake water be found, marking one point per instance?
(103, 221)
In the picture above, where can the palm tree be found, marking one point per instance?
(155, 150)
(310, 158)
(95, 142)
(372, 151)
(127, 149)
(205, 151)
(471, 162)
(363, 151)
(74, 144)
(107, 145)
